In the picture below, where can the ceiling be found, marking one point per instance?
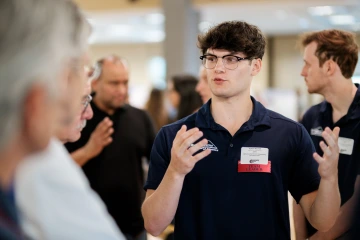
(143, 21)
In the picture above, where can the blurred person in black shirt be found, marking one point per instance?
(113, 145)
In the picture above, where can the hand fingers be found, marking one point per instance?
(334, 134)
(329, 138)
(191, 150)
(318, 158)
(104, 126)
(181, 131)
(201, 155)
(325, 148)
(108, 132)
(182, 135)
(107, 141)
(189, 141)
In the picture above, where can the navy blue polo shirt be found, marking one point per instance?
(320, 116)
(217, 201)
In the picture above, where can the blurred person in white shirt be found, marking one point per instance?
(52, 193)
(36, 43)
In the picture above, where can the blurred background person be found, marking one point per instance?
(330, 58)
(155, 106)
(52, 192)
(115, 170)
(35, 46)
(202, 87)
(48, 181)
(182, 95)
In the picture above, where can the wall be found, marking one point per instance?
(286, 63)
(138, 56)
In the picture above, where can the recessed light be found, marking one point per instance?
(342, 19)
(321, 10)
(155, 18)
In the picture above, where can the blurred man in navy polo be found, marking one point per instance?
(330, 58)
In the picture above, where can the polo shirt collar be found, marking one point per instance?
(97, 110)
(260, 116)
(354, 109)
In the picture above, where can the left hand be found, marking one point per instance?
(328, 163)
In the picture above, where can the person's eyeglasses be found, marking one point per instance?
(230, 61)
(86, 101)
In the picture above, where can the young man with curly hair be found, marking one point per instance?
(250, 156)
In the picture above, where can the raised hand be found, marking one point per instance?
(100, 138)
(183, 159)
(328, 163)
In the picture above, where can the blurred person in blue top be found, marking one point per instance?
(224, 172)
(330, 58)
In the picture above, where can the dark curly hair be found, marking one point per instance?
(337, 45)
(234, 36)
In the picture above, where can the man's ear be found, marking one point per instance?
(256, 66)
(94, 85)
(35, 109)
(330, 67)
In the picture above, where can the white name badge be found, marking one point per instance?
(346, 145)
(254, 155)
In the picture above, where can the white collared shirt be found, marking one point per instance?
(55, 200)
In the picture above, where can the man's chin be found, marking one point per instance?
(311, 91)
(115, 106)
(75, 137)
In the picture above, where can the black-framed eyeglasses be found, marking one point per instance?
(86, 101)
(230, 61)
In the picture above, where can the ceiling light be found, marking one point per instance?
(119, 29)
(321, 10)
(342, 19)
(154, 36)
(155, 18)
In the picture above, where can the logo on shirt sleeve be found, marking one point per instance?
(210, 146)
(316, 131)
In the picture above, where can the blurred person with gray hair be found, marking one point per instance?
(54, 198)
(35, 44)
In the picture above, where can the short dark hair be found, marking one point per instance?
(190, 100)
(234, 36)
(338, 45)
